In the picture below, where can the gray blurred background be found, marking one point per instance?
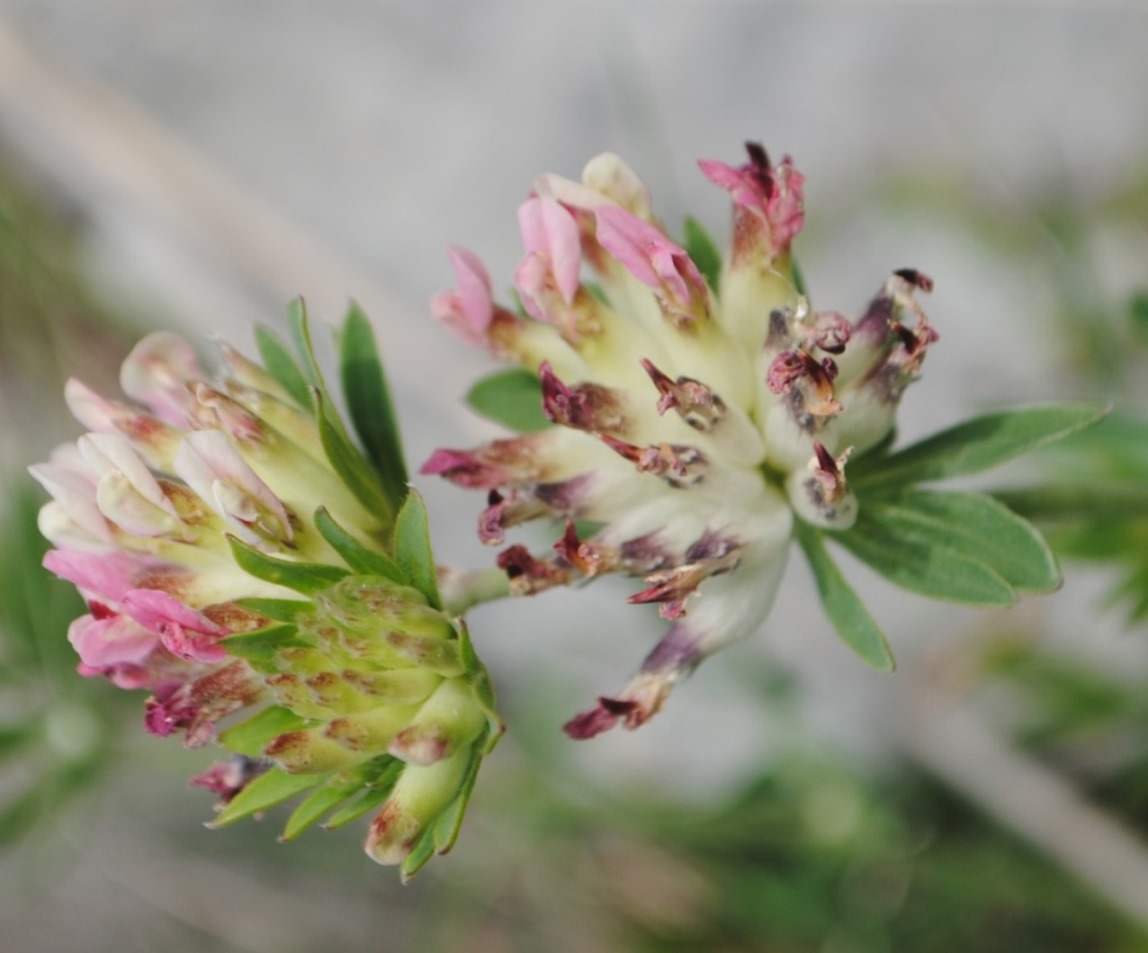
(215, 159)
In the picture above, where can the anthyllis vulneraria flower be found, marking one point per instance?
(699, 412)
(272, 586)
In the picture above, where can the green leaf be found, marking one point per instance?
(927, 566)
(449, 822)
(974, 445)
(413, 548)
(843, 607)
(262, 646)
(350, 464)
(377, 793)
(251, 736)
(271, 788)
(300, 327)
(369, 403)
(326, 798)
(361, 558)
(512, 398)
(704, 252)
(307, 578)
(417, 859)
(975, 526)
(279, 363)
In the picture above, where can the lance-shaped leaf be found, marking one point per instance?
(975, 526)
(413, 548)
(361, 558)
(349, 463)
(282, 366)
(378, 790)
(369, 403)
(512, 398)
(251, 736)
(929, 566)
(842, 605)
(338, 790)
(973, 446)
(307, 578)
(269, 789)
(262, 646)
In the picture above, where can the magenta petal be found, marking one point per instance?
(185, 633)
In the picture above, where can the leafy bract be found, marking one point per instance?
(369, 403)
(973, 446)
(845, 610)
(512, 398)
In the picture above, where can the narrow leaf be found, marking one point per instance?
(417, 859)
(262, 646)
(845, 610)
(279, 363)
(267, 790)
(704, 252)
(413, 548)
(321, 801)
(369, 403)
(375, 795)
(975, 445)
(512, 398)
(350, 464)
(307, 578)
(252, 735)
(975, 526)
(926, 566)
(300, 327)
(361, 558)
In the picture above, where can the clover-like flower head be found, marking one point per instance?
(698, 405)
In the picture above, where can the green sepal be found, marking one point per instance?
(449, 822)
(842, 605)
(326, 798)
(361, 558)
(250, 736)
(281, 610)
(417, 859)
(349, 463)
(373, 798)
(976, 526)
(369, 403)
(279, 363)
(413, 548)
(703, 250)
(261, 647)
(973, 446)
(307, 578)
(512, 398)
(269, 789)
(928, 566)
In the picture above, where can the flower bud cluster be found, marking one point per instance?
(208, 530)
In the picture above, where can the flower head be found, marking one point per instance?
(241, 562)
(698, 409)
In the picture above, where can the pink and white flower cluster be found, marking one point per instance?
(696, 415)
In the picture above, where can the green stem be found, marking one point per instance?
(463, 588)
